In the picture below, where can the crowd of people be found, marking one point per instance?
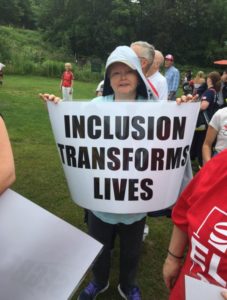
(200, 214)
(211, 91)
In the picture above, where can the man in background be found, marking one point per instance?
(145, 53)
(172, 76)
(156, 79)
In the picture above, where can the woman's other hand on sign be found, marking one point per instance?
(224, 295)
(187, 98)
(50, 97)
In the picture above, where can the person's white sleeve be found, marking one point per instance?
(215, 121)
(163, 91)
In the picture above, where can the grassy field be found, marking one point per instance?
(40, 177)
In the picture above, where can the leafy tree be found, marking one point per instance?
(193, 30)
(16, 12)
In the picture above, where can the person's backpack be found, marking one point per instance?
(205, 116)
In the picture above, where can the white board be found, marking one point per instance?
(41, 256)
(123, 157)
(200, 290)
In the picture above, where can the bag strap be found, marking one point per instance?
(215, 95)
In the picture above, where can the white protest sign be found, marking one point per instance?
(123, 157)
(41, 256)
(200, 290)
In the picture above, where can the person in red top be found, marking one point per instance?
(66, 84)
(200, 223)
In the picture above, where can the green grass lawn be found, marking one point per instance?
(40, 176)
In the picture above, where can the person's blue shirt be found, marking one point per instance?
(172, 76)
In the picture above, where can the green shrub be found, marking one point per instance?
(25, 52)
(51, 68)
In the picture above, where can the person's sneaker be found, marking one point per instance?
(131, 294)
(92, 290)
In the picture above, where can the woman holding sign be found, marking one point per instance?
(200, 224)
(124, 81)
(7, 170)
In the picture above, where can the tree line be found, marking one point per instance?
(193, 30)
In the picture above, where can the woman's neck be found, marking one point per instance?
(124, 97)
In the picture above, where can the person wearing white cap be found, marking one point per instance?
(172, 76)
(124, 80)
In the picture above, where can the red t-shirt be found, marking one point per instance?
(67, 78)
(201, 212)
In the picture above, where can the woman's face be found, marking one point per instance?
(209, 81)
(67, 67)
(123, 79)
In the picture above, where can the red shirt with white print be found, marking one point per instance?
(67, 78)
(201, 212)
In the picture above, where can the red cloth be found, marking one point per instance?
(67, 78)
(201, 212)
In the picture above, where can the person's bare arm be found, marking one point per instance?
(173, 262)
(207, 145)
(7, 168)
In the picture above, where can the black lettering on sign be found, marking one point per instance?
(92, 131)
(115, 162)
(141, 159)
(150, 131)
(157, 159)
(67, 126)
(185, 155)
(107, 188)
(179, 128)
(98, 158)
(132, 189)
(83, 158)
(139, 132)
(78, 127)
(119, 186)
(97, 194)
(122, 127)
(145, 186)
(173, 158)
(107, 133)
(163, 128)
(126, 158)
(70, 152)
(61, 148)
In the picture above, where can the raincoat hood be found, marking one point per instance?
(126, 55)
